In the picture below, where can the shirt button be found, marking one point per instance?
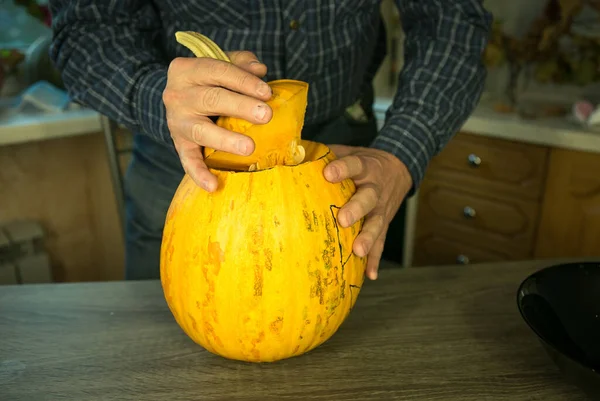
(294, 24)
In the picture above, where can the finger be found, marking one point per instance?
(215, 101)
(374, 258)
(249, 62)
(193, 164)
(213, 72)
(203, 132)
(341, 169)
(360, 204)
(371, 231)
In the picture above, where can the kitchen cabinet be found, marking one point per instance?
(488, 199)
(64, 185)
(570, 217)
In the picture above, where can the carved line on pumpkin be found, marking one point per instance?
(352, 286)
(337, 231)
(272, 167)
(344, 263)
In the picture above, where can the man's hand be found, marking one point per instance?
(198, 88)
(382, 182)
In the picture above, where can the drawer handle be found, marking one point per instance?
(462, 259)
(474, 160)
(469, 212)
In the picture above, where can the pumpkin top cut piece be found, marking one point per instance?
(277, 142)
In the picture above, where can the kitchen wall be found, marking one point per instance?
(517, 16)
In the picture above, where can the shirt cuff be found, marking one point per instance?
(409, 140)
(149, 107)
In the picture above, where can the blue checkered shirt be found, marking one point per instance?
(114, 57)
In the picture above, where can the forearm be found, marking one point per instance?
(441, 81)
(109, 61)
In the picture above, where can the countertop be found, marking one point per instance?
(556, 132)
(427, 333)
(37, 126)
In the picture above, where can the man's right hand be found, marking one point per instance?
(198, 88)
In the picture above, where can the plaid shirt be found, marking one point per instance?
(114, 57)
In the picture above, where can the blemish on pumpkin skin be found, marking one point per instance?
(258, 281)
(256, 354)
(258, 340)
(276, 325)
(276, 221)
(208, 328)
(315, 219)
(231, 205)
(268, 259)
(193, 322)
(307, 221)
(329, 251)
(316, 289)
(215, 256)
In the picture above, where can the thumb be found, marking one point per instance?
(248, 61)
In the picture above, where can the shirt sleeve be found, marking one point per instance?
(110, 60)
(441, 81)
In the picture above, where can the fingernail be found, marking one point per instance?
(332, 172)
(263, 89)
(242, 147)
(350, 220)
(255, 62)
(259, 112)
(206, 185)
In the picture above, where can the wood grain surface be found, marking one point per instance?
(64, 184)
(428, 333)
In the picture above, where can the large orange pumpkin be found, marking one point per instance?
(259, 270)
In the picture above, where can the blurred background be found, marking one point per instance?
(521, 180)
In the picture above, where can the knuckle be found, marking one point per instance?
(199, 132)
(211, 98)
(169, 96)
(176, 64)
(246, 54)
(244, 80)
(371, 192)
(217, 69)
(357, 162)
(378, 221)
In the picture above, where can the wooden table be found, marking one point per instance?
(435, 333)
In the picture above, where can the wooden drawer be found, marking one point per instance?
(437, 249)
(477, 218)
(452, 222)
(504, 167)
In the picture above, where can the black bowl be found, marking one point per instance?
(561, 304)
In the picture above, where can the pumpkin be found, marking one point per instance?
(259, 270)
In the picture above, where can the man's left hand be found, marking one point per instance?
(382, 182)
